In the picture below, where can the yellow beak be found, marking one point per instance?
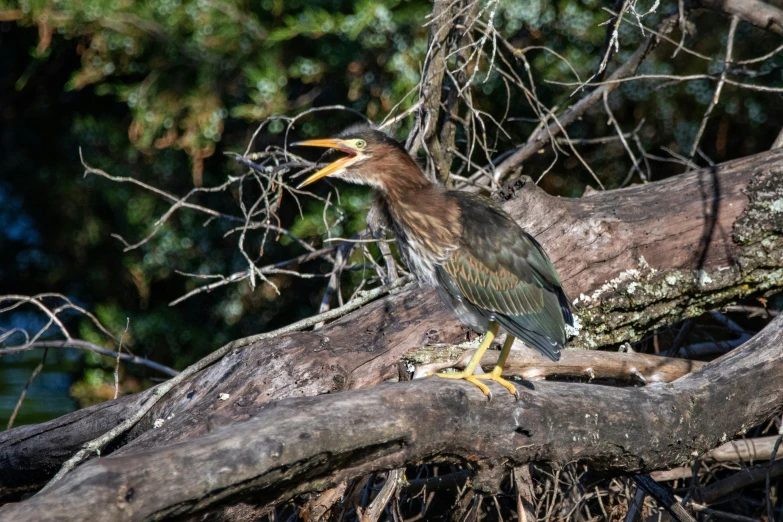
(332, 167)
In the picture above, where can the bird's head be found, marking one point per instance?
(372, 158)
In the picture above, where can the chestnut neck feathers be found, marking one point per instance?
(425, 219)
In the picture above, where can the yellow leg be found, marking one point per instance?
(467, 373)
(494, 375)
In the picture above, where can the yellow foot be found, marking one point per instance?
(470, 378)
(495, 376)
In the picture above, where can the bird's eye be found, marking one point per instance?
(360, 144)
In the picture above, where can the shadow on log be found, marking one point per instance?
(669, 250)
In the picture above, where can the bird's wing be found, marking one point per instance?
(506, 274)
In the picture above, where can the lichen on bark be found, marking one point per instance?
(640, 299)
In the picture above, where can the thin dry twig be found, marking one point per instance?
(91, 347)
(32, 341)
(119, 356)
(53, 313)
(718, 88)
(22, 395)
(543, 135)
(613, 121)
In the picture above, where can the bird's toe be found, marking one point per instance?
(494, 376)
(473, 379)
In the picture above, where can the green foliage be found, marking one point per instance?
(183, 67)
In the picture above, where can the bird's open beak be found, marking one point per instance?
(353, 155)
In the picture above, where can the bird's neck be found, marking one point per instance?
(423, 216)
(403, 177)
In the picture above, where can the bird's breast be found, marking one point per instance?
(427, 229)
(420, 261)
(423, 253)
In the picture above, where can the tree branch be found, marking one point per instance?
(315, 443)
(531, 365)
(543, 135)
(755, 12)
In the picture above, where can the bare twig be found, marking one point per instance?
(35, 373)
(752, 311)
(768, 477)
(718, 88)
(52, 313)
(117, 363)
(778, 141)
(761, 14)
(392, 484)
(723, 515)
(525, 494)
(340, 259)
(723, 488)
(613, 121)
(542, 136)
(677, 79)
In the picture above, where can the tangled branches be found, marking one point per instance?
(46, 328)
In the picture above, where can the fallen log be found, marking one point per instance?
(637, 258)
(299, 445)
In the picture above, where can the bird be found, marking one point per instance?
(487, 270)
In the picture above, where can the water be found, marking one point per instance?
(48, 397)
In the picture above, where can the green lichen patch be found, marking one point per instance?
(638, 300)
(764, 214)
(670, 297)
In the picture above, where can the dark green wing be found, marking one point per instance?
(505, 273)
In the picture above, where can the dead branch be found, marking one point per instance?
(443, 33)
(52, 306)
(718, 88)
(727, 486)
(761, 14)
(95, 445)
(315, 443)
(530, 365)
(91, 347)
(374, 510)
(742, 451)
(542, 136)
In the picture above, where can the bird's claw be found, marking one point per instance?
(495, 376)
(474, 379)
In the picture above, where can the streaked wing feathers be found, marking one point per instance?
(504, 272)
(527, 311)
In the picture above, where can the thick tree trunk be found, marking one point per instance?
(668, 250)
(299, 445)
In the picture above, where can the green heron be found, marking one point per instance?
(487, 270)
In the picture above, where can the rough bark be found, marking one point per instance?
(649, 255)
(761, 14)
(314, 443)
(713, 235)
(435, 131)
